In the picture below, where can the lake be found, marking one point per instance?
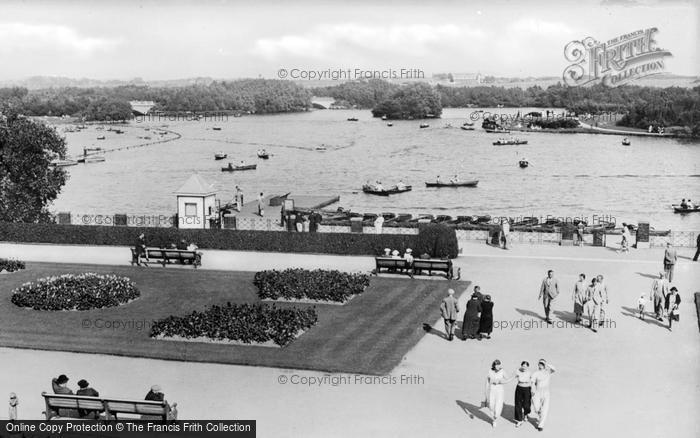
(571, 175)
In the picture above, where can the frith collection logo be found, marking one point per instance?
(616, 62)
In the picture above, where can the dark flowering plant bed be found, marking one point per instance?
(11, 265)
(75, 292)
(318, 285)
(247, 323)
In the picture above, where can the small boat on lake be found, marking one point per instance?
(424, 125)
(374, 190)
(216, 128)
(677, 208)
(626, 142)
(63, 163)
(232, 168)
(467, 128)
(512, 141)
(263, 154)
(384, 117)
(389, 124)
(92, 159)
(523, 163)
(321, 148)
(452, 184)
(353, 119)
(468, 124)
(220, 156)
(497, 130)
(101, 137)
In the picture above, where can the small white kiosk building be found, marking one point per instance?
(196, 203)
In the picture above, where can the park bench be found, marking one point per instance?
(392, 265)
(165, 256)
(63, 406)
(430, 265)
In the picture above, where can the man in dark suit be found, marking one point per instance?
(673, 302)
(449, 311)
(670, 257)
(548, 292)
(87, 391)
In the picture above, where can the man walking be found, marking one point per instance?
(659, 290)
(673, 302)
(603, 298)
(449, 311)
(548, 292)
(540, 395)
(505, 231)
(670, 258)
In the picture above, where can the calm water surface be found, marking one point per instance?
(571, 175)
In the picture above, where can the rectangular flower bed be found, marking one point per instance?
(247, 323)
(302, 284)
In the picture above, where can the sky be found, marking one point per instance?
(158, 40)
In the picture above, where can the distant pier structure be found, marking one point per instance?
(141, 107)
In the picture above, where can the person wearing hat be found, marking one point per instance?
(549, 290)
(140, 249)
(540, 395)
(449, 311)
(670, 257)
(659, 290)
(408, 256)
(59, 385)
(155, 394)
(395, 254)
(470, 323)
(387, 252)
(12, 414)
(86, 391)
(673, 302)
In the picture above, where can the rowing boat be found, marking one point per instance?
(450, 184)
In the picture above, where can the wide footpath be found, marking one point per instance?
(633, 377)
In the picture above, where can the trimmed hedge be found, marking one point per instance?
(75, 292)
(248, 323)
(438, 240)
(314, 285)
(11, 265)
(242, 240)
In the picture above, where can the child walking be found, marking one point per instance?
(641, 304)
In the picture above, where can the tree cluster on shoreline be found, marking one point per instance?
(101, 103)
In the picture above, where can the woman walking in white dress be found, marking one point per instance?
(494, 390)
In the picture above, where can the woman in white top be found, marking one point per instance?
(523, 393)
(494, 390)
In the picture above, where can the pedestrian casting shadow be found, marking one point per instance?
(473, 411)
(565, 316)
(431, 331)
(648, 318)
(530, 313)
(647, 275)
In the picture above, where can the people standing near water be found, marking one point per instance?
(540, 394)
(486, 318)
(579, 297)
(672, 304)
(548, 293)
(659, 290)
(523, 393)
(493, 397)
(670, 257)
(449, 311)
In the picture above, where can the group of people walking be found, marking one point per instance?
(592, 299)
(478, 315)
(664, 299)
(531, 391)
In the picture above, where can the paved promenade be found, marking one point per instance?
(633, 378)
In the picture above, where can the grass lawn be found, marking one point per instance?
(369, 335)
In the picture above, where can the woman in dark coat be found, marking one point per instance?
(486, 319)
(470, 325)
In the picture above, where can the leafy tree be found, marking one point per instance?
(28, 183)
(417, 101)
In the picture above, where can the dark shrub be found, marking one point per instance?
(438, 240)
(11, 265)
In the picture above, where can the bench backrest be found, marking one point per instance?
(109, 405)
(431, 263)
(171, 253)
(388, 262)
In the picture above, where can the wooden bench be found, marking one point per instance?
(392, 265)
(62, 406)
(165, 256)
(430, 265)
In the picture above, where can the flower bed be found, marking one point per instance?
(11, 265)
(319, 285)
(75, 292)
(248, 323)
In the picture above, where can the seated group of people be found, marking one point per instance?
(687, 204)
(408, 256)
(60, 386)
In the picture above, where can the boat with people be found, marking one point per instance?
(232, 168)
(523, 163)
(509, 142)
(101, 137)
(685, 208)
(389, 124)
(262, 153)
(92, 159)
(497, 130)
(216, 128)
(468, 123)
(472, 183)
(321, 148)
(424, 125)
(220, 155)
(377, 189)
(626, 142)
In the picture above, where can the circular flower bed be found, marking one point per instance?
(11, 265)
(75, 292)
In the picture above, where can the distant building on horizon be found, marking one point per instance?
(458, 78)
(141, 107)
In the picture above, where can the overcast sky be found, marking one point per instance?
(230, 39)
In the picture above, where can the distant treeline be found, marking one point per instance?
(643, 106)
(101, 103)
